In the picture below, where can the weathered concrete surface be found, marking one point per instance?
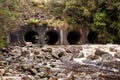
(56, 35)
(76, 62)
(18, 37)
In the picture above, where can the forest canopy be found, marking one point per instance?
(101, 16)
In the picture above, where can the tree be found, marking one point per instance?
(100, 15)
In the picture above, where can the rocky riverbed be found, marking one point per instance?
(60, 62)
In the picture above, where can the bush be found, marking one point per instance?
(33, 21)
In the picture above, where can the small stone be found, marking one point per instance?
(61, 75)
(2, 72)
(3, 64)
(25, 52)
(4, 49)
(61, 54)
(40, 56)
(33, 71)
(47, 55)
(80, 55)
(117, 55)
(88, 77)
(37, 52)
(29, 44)
(42, 74)
(26, 66)
(47, 50)
(52, 65)
(24, 49)
(44, 69)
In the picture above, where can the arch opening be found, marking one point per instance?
(92, 37)
(51, 37)
(73, 37)
(31, 36)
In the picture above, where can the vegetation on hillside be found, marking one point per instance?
(101, 16)
(12, 14)
(8, 12)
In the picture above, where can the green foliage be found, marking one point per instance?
(13, 5)
(76, 13)
(8, 19)
(71, 16)
(102, 16)
(56, 8)
(106, 21)
(33, 21)
(1, 1)
(2, 40)
(99, 19)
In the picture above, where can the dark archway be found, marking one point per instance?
(51, 37)
(92, 37)
(31, 36)
(73, 37)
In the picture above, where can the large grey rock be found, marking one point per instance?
(117, 55)
(93, 57)
(80, 55)
(42, 74)
(108, 57)
(100, 52)
(46, 50)
(58, 54)
(73, 49)
(67, 57)
(112, 49)
(47, 55)
(33, 71)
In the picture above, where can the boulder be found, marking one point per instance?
(100, 52)
(117, 55)
(46, 50)
(107, 57)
